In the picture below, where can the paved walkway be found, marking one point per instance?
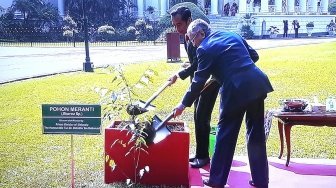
(18, 63)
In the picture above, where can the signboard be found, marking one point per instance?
(71, 119)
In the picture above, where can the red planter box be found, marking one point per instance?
(167, 160)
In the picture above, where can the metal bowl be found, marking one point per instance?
(294, 105)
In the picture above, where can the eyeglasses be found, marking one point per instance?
(193, 39)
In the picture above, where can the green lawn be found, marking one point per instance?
(30, 159)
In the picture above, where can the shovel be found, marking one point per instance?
(161, 130)
(141, 107)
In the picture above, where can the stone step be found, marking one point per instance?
(230, 30)
(225, 21)
(219, 23)
(228, 22)
(224, 26)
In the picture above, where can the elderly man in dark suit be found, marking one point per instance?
(244, 87)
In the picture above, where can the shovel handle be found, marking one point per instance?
(169, 117)
(157, 93)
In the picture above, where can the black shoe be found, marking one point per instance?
(254, 185)
(191, 159)
(207, 183)
(199, 163)
(251, 183)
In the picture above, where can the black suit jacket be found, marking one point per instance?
(189, 71)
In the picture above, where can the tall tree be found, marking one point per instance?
(36, 10)
(99, 12)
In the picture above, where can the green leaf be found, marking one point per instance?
(114, 79)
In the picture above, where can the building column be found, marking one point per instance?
(242, 6)
(60, 7)
(324, 4)
(314, 6)
(163, 7)
(303, 6)
(140, 9)
(278, 6)
(214, 7)
(264, 6)
(291, 7)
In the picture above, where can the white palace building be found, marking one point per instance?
(265, 13)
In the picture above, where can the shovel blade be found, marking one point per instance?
(161, 130)
(161, 134)
(156, 122)
(137, 108)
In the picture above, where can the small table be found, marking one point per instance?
(288, 119)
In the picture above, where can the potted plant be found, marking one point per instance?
(273, 31)
(129, 157)
(331, 28)
(245, 24)
(310, 27)
(247, 32)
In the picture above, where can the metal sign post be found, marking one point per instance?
(72, 164)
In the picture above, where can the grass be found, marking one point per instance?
(30, 159)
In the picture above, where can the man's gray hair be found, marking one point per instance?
(198, 25)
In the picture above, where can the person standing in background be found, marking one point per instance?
(296, 27)
(234, 8)
(226, 9)
(285, 22)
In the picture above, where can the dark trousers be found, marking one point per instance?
(285, 33)
(203, 107)
(296, 30)
(226, 139)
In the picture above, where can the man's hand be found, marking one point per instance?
(172, 79)
(178, 110)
